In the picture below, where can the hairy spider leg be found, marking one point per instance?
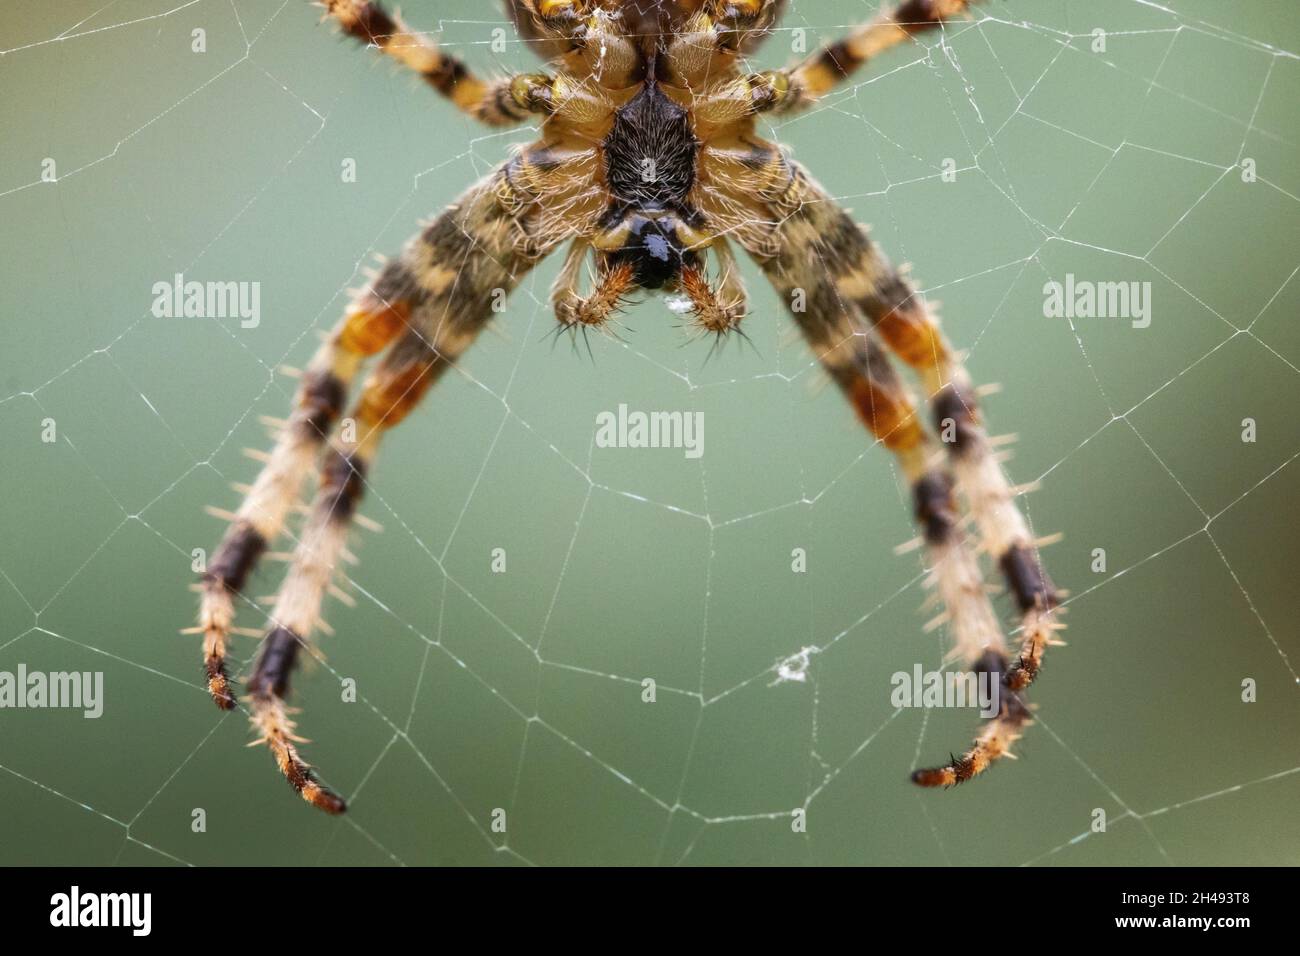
(394, 388)
(373, 320)
(905, 322)
(500, 102)
(439, 294)
(803, 269)
(792, 219)
(711, 39)
(902, 320)
(801, 86)
(819, 255)
(883, 403)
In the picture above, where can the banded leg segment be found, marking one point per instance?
(888, 410)
(865, 277)
(912, 332)
(372, 321)
(804, 272)
(786, 90)
(812, 249)
(451, 275)
(498, 103)
(902, 320)
(394, 389)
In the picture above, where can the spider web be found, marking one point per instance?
(523, 691)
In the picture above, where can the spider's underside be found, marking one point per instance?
(648, 164)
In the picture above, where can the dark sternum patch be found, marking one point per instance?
(650, 152)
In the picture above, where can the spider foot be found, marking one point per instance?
(275, 729)
(270, 719)
(994, 741)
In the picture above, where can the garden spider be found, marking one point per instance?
(647, 163)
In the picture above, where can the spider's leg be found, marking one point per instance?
(454, 272)
(374, 318)
(858, 364)
(900, 316)
(804, 84)
(392, 391)
(500, 102)
(863, 371)
(817, 256)
(903, 320)
(884, 405)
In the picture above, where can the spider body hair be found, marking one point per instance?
(650, 158)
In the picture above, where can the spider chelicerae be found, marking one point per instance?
(648, 165)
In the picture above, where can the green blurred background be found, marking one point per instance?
(522, 691)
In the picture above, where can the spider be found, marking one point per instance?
(649, 166)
